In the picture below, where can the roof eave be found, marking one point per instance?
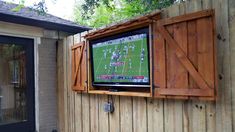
(42, 24)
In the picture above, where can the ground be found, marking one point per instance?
(122, 60)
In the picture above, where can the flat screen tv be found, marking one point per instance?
(121, 60)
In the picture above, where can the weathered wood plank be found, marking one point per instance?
(60, 77)
(155, 115)
(187, 112)
(94, 113)
(139, 114)
(78, 99)
(85, 112)
(231, 6)
(71, 94)
(103, 116)
(173, 116)
(85, 100)
(198, 117)
(66, 128)
(114, 118)
(223, 104)
(206, 4)
(126, 114)
(193, 106)
(78, 112)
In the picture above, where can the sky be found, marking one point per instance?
(60, 8)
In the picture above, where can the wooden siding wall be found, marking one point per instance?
(80, 112)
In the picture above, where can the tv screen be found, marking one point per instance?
(121, 60)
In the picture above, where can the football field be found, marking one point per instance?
(122, 62)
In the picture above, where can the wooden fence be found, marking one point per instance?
(81, 112)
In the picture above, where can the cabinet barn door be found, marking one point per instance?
(185, 56)
(79, 67)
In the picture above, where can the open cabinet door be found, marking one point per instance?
(79, 67)
(185, 56)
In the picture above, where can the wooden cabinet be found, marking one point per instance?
(182, 57)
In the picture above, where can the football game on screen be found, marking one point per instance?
(121, 60)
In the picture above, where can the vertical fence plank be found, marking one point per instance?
(85, 104)
(114, 118)
(173, 108)
(232, 51)
(223, 104)
(66, 120)
(85, 112)
(139, 114)
(155, 107)
(155, 115)
(197, 120)
(61, 96)
(94, 113)
(210, 106)
(71, 94)
(78, 99)
(126, 114)
(103, 116)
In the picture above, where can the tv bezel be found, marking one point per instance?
(144, 30)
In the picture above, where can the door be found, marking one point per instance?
(17, 107)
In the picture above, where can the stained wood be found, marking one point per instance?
(186, 92)
(120, 29)
(159, 60)
(85, 98)
(125, 26)
(183, 59)
(172, 109)
(180, 33)
(196, 122)
(79, 67)
(192, 49)
(187, 17)
(151, 37)
(204, 37)
(139, 94)
(78, 99)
